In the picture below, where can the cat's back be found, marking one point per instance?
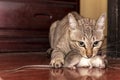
(59, 29)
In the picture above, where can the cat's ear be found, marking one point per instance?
(72, 21)
(101, 22)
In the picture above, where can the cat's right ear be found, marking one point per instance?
(101, 22)
(72, 21)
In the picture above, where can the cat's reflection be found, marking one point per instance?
(78, 74)
(1, 78)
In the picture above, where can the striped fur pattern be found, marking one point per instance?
(83, 36)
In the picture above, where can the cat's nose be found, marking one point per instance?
(89, 55)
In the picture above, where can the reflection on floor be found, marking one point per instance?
(15, 60)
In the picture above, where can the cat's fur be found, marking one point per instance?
(75, 37)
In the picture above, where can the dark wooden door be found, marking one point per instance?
(24, 24)
(113, 28)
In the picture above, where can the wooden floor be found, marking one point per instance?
(8, 62)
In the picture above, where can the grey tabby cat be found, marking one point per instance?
(76, 40)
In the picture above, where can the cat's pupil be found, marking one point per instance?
(95, 43)
(81, 44)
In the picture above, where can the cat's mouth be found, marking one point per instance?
(86, 56)
(89, 56)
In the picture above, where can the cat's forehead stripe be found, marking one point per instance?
(87, 21)
(88, 26)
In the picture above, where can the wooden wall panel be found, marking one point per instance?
(24, 24)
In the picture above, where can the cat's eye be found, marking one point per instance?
(82, 44)
(95, 43)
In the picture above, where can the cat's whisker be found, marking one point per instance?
(110, 45)
(107, 52)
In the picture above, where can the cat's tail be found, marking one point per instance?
(49, 51)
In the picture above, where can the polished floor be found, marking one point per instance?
(11, 61)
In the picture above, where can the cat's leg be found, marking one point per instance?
(72, 59)
(57, 58)
(52, 33)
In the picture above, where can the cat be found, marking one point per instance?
(76, 37)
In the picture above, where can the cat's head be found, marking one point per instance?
(86, 35)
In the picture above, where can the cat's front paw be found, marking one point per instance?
(57, 62)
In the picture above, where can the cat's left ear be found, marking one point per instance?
(101, 22)
(72, 21)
